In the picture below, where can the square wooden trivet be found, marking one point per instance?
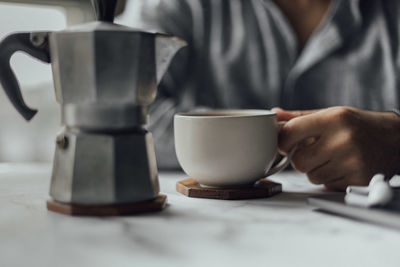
(261, 189)
(154, 205)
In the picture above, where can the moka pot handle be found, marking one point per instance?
(36, 45)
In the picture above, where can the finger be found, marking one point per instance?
(338, 185)
(312, 152)
(301, 128)
(331, 173)
(324, 173)
(308, 158)
(286, 115)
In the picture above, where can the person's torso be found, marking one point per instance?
(244, 54)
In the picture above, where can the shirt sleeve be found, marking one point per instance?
(392, 18)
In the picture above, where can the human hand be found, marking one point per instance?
(341, 146)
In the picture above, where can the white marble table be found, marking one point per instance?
(280, 231)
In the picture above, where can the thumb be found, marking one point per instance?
(287, 115)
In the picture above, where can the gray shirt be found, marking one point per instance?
(244, 54)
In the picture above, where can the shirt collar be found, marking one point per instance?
(343, 19)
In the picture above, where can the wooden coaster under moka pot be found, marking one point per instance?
(154, 205)
(261, 189)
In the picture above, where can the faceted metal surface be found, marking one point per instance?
(104, 168)
(108, 67)
(101, 65)
(105, 76)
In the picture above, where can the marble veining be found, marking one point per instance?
(281, 231)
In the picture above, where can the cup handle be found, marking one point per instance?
(285, 161)
(282, 164)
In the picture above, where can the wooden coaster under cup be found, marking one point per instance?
(154, 205)
(261, 189)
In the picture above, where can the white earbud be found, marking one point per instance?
(378, 178)
(364, 190)
(377, 193)
(381, 193)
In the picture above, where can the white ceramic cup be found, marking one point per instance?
(225, 148)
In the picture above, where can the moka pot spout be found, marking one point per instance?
(166, 48)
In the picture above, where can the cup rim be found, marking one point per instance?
(225, 113)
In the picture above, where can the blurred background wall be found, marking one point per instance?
(34, 141)
(19, 140)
